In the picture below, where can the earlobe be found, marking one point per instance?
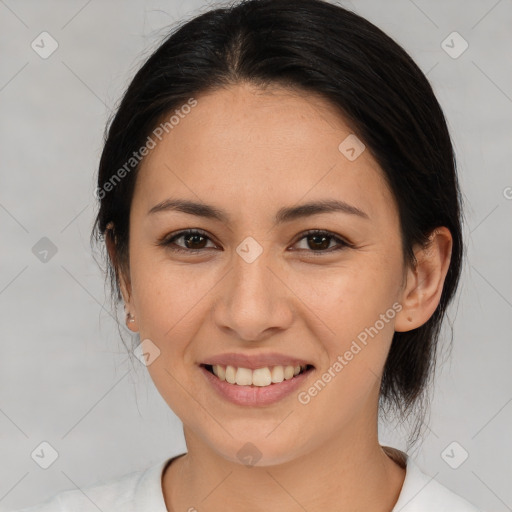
(130, 320)
(125, 289)
(130, 317)
(405, 319)
(424, 284)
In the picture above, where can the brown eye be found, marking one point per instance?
(318, 241)
(194, 241)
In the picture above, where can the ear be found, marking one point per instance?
(123, 282)
(424, 284)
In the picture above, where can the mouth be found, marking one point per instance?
(267, 376)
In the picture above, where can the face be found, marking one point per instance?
(253, 289)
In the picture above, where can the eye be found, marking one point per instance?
(195, 241)
(319, 241)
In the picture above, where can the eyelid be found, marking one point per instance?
(342, 242)
(167, 240)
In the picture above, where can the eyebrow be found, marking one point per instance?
(285, 214)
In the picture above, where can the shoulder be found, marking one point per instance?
(125, 494)
(422, 493)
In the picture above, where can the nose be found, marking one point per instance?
(255, 301)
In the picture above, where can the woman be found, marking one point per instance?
(279, 201)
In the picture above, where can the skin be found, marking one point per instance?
(250, 152)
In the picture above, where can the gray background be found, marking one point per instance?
(65, 377)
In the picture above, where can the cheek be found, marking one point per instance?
(165, 294)
(353, 322)
(348, 299)
(355, 333)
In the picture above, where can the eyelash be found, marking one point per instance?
(169, 241)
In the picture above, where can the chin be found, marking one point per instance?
(259, 449)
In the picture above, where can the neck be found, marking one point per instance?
(353, 475)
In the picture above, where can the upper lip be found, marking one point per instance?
(255, 361)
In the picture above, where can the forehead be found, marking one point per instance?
(244, 145)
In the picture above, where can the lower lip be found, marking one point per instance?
(255, 395)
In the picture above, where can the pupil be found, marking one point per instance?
(323, 237)
(194, 237)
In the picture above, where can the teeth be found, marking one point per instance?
(244, 377)
(230, 374)
(277, 374)
(221, 372)
(260, 377)
(288, 372)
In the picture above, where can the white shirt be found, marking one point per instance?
(141, 491)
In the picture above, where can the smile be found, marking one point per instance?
(231, 380)
(260, 377)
